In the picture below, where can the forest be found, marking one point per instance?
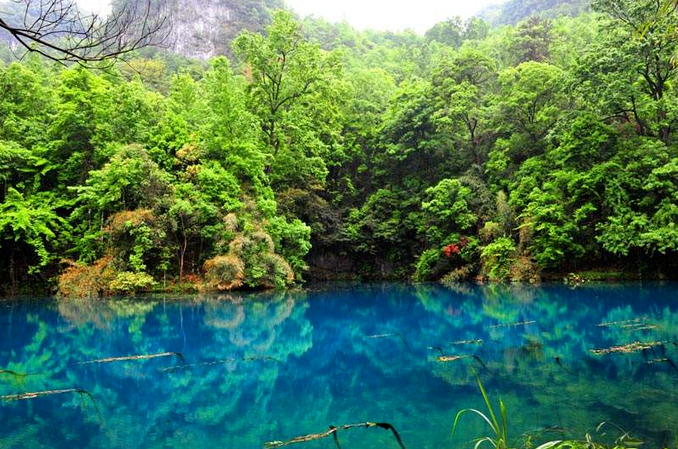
(313, 151)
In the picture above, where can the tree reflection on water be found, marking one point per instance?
(262, 367)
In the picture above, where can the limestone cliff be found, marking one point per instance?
(205, 28)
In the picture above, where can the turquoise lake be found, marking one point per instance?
(247, 368)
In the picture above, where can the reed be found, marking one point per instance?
(499, 426)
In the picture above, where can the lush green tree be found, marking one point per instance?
(533, 40)
(294, 91)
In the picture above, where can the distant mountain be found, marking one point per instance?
(513, 11)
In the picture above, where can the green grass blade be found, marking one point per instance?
(472, 410)
(549, 445)
(485, 440)
(489, 408)
(504, 422)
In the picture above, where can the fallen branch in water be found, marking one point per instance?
(630, 328)
(664, 360)
(37, 394)
(523, 323)
(333, 431)
(395, 334)
(135, 357)
(172, 369)
(467, 342)
(624, 323)
(452, 358)
(626, 349)
(14, 373)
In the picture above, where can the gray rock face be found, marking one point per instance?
(198, 26)
(205, 28)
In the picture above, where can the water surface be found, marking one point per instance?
(263, 367)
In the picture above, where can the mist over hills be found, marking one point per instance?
(513, 11)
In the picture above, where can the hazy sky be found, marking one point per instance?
(419, 15)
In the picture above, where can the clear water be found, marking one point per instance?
(262, 367)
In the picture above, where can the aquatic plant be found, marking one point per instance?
(499, 438)
(625, 441)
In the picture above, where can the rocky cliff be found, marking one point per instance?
(205, 28)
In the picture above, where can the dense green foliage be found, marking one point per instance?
(505, 153)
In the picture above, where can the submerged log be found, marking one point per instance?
(467, 342)
(333, 432)
(135, 357)
(626, 349)
(37, 394)
(14, 373)
(452, 358)
(394, 334)
(623, 323)
(172, 369)
(522, 323)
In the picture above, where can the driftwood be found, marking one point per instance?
(523, 323)
(395, 334)
(135, 357)
(623, 323)
(37, 394)
(14, 373)
(636, 324)
(333, 432)
(626, 349)
(646, 327)
(467, 342)
(452, 358)
(172, 369)
(666, 360)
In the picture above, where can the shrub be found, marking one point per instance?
(460, 274)
(490, 231)
(426, 264)
(525, 270)
(497, 258)
(86, 281)
(224, 273)
(279, 273)
(129, 283)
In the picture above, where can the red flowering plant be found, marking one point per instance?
(455, 248)
(449, 250)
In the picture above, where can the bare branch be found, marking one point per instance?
(60, 31)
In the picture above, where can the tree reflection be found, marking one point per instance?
(261, 367)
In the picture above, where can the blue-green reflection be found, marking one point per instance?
(263, 367)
